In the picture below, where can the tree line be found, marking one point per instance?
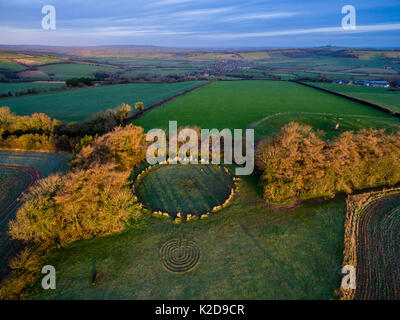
(299, 163)
(42, 133)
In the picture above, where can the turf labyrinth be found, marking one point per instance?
(180, 256)
(186, 189)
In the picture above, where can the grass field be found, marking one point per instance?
(10, 65)
(247, 252)
(13, 87)
(76, 105)
(236, 104)
(66, 71)
(190, 189)
(380, 96)
(332, 125)
(155, 71)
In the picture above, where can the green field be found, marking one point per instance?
(13, 87)
(155, 71)
(66, 71)
(190, 189)
(11, 65)
(76, 105)
(247, 252)
(332, 125)
(380, 96)
(236, 104)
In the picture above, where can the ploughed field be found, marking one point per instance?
(378, 250)
(18, 172)
(13, 181)
(79, 104)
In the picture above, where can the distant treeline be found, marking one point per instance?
(39, 132)
(30, 91)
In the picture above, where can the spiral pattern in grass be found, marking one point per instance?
(179, 256)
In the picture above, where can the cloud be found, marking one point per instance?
(359, 29)
(261, 16)
(168, 2)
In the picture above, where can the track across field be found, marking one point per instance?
(236, 104)
(332, 124)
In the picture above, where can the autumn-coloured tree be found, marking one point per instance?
(299, 163)
(124, 147)
(80, 205)
(139, 106)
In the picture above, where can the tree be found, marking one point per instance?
(80, 205)
(139, 106)
(124, 147)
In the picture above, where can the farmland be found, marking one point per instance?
(66, 71)
(15, 87)
(76, 105)
(237, 104)
(372, 245)
(380, 96)
(47, 163)
(19, 171)
(332, 125)
(191, 189)
(249, 250)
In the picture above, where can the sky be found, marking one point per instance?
(201, 23)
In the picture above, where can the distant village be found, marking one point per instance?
(368, 83)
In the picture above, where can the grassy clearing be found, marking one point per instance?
(236, 104)
(188, 189)
(23, 86)
(76, 105)
(380, 96)
(332, 125)
(247, 251)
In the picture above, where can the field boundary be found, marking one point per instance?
(275, 115)
(356, 207)
(364, 102)
(162, 102)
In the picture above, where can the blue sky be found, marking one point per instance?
(202, 23)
